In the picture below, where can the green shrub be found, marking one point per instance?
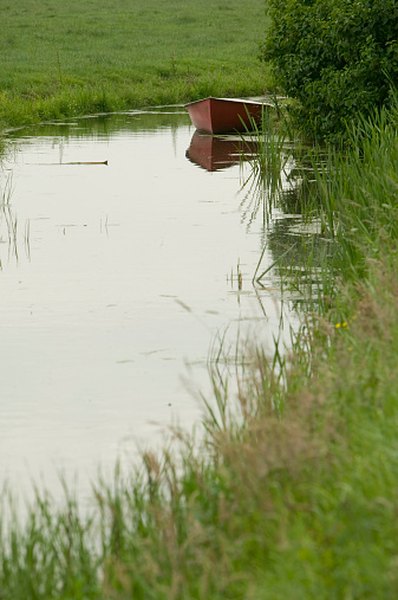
(338, 58)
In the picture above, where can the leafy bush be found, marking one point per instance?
(337, 57)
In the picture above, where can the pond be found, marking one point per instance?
(126, 246)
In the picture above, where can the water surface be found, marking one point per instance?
(115, 280)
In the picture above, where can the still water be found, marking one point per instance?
(115, 281)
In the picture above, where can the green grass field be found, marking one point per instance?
(63, 58)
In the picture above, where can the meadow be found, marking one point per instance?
(61, 59)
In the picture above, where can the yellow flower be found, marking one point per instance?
(342, 325)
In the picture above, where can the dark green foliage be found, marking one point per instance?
(337, 57)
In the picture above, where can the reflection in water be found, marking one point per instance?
(292, 241)
(215, 153)
(262, 197)
(286, 187)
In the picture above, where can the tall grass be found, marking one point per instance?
(360, 208)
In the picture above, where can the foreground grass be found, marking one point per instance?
(67, 58)
(299, 500)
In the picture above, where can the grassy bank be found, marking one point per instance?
(62, 59)
(300, 500)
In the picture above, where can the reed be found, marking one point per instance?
(269, 165)
(366, 184)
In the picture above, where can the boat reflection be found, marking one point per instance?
(216, 153)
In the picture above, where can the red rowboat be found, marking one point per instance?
(223, 115)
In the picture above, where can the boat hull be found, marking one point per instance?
(224, 115)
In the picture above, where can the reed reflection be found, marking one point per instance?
(11, 236)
